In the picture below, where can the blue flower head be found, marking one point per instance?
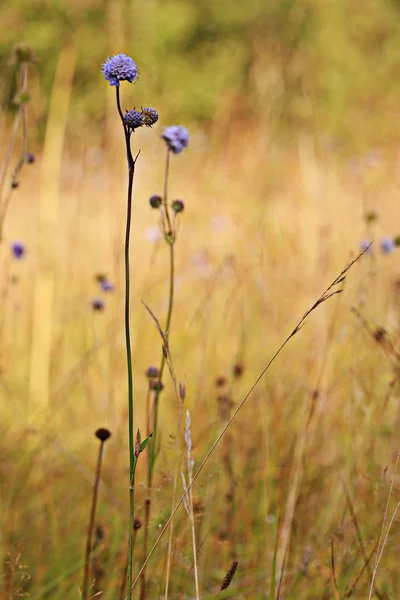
(387, 245)
(133, 119)
(176, 138)
(106, 285)
(119, 68)
(18, 250)
(365, 245)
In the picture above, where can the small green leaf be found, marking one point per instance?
(145, 442)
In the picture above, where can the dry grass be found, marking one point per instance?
(265, 230)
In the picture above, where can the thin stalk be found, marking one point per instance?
(169, 237)
(131, 173)
(21, 114)
(104, 436)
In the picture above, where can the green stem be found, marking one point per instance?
(131, 171)
(170, 239)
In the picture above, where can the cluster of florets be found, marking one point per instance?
(176, 138)
(120, 68)
(134, 118)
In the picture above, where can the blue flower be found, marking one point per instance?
(150, 116)
(106, 285)
(18, 250)
(119, 68)
(365, 246)
(133, 119)
(176, 138)
(387, 245)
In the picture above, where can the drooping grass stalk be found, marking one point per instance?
(332, 290)
(102, 435)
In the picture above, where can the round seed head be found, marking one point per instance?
(150, 116)
(133, 119)
(103, 434)
(155, 201)
(178, 206)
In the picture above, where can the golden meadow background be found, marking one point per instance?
(292, 109)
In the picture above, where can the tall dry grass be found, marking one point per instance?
(264, 231)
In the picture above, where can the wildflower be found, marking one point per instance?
(155, 201)
(152, 372)
(133, 119)
(106, 285)
(176, 138)
(365, 246)
(30, 158)
(387, 245)
(119, 68)
(97, 304)
(150, 116)
(178, 206)
(18, 250)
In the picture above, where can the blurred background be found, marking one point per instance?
(292, 168)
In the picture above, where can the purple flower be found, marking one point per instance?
(364, 244)
(30, 158)
(387, 245)
(176, 138)
(133, 119)
(149, 116)
(18, 249)
(119, 68)
(106, 285)
(152, 372)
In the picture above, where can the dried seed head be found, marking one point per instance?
(23, 53)
(103, 434)
(220, 381)
(138, 443)
(238, 369)
(227, 580)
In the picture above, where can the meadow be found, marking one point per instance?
(277, 203)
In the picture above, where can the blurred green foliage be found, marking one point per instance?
(333, 65)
